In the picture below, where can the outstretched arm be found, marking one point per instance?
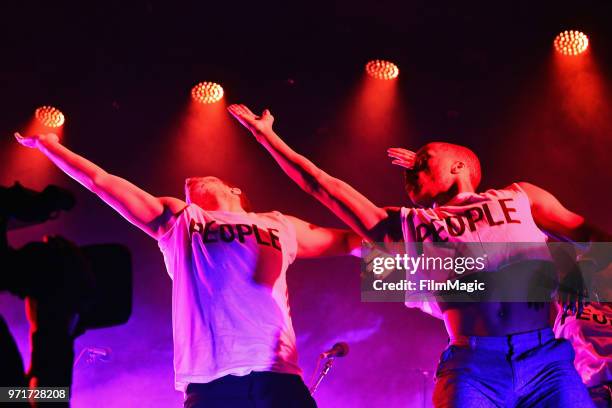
(151, 214)
(315, 241)
(352, 207)
(550, 215)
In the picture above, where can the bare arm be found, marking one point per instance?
(550, 215)
(348, 204)
(315, 241)
(151, 214)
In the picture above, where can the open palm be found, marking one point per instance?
(258, 125)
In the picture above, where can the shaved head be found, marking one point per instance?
(461, 154)
(440, 171)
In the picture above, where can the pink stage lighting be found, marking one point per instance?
(380, 69)
(207, 92)
(49, 116)
(571, 42)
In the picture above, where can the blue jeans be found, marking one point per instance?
(531, 369)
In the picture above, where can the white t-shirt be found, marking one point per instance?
(230, 311)
(494, 216)
(591, 335)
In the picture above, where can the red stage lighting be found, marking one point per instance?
(380, 69)
(207, 92)
(571, 42)
(49, 116)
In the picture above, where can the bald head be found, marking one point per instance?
(460, 154)
(441, 170)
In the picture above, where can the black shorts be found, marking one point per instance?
(255, 390)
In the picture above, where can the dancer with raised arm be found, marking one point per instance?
(234, 344)
(500, 354)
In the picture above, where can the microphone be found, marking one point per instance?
(339, 349)
(102, 353)
(93, 354)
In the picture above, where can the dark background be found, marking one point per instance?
(479, 73)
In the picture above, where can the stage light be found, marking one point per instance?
(207, 92)
(49, 116)
(571, 42)
(381, 69)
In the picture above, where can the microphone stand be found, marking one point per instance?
(322, 374)
(425, 375)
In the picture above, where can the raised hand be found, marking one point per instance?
(258, 125)
(402, 157)
(32, 141)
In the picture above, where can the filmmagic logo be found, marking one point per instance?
(428, 285)
(411, 264)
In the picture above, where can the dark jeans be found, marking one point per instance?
(530, 369)
(256, 390)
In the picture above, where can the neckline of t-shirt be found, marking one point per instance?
(457, 199)
(239, 213)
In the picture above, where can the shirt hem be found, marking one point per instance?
(181, 382)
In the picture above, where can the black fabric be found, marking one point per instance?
(255, 390)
